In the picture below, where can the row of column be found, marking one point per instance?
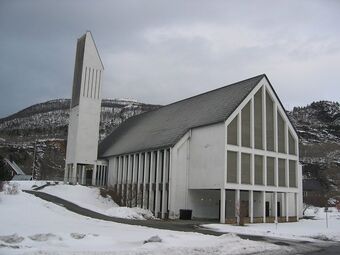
(251, 205)
(100, 175)
(142, 180)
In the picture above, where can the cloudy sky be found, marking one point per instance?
(163, 51)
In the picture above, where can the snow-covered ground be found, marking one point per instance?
(310, 229)
(90, 198)
(30, 225)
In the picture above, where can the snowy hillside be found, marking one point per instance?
(318, 126)
(43, 128)
(50, 119)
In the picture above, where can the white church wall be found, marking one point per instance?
(204, 203)
(71, 137)
(179, 177)
(206, 169)
(88, 134)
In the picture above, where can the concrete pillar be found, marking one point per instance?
(275, 206)
(129, 180)
(145, 180)
(222, 207)
(239, 169)
(296, 206)
(135, 180)
(124, 180)
(94, 174)
(264, 206)
(151, 182)
(251, 206)
(139, 181)
(264, 170)
(74, 174)
(237, 206)
(264, 119)
(83, 175)
(165, 160)
(157, 191)
(287, 205)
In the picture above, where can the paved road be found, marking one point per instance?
(300, 247)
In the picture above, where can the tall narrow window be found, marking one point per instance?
(281, 133)
(232, 166)
(282, 172)
(232, 131)
(292, 144)
(258, 170)
(258, 119)
(270, 122)
(270, 171)
(245, 168)
(245, 125)
(292, 173)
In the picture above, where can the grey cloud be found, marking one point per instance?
(162, 51)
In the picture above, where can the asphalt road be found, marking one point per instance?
(299, 247)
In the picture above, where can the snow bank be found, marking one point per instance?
(50, 229)
(90, 198)
(310, 230)
(28, 185)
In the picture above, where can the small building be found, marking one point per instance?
(16, 172)
(228, 153)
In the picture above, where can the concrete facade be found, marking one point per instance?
(82, 165)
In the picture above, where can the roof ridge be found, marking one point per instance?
(207, 92)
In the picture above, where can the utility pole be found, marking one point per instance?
(34, 156)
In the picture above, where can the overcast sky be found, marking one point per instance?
(164, 51)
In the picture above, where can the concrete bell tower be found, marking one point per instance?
(83, 128)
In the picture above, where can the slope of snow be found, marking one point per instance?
(30, 225)
(304, 229)
(90, 198)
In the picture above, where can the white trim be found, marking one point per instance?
(261, 188)
(251, 205)
(222, 207)
(151, 179)
(163, 183)
(273, 154)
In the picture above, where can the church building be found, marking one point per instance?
(227, 154)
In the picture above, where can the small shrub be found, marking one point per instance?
(2, 184)
(113, 194)
(11, 188)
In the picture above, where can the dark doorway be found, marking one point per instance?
(267, 209)
(278, 209)
(88, 177)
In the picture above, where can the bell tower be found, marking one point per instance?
(83, 128)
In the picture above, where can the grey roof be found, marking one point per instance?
(165, 126)
(15, 167)
(22, 177)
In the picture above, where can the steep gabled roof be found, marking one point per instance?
(165, 126)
